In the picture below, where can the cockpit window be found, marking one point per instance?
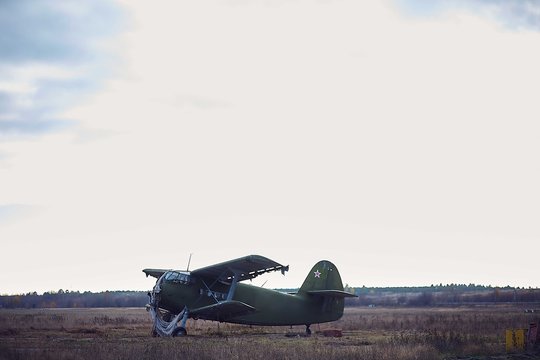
(170, 275)
(177, 277)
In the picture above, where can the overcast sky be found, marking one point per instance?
(397, 139)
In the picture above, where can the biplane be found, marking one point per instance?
(217, 293)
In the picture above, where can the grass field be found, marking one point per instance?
(368, 333)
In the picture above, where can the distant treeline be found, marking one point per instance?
(434, 295)
(75, 299)
(452, 294)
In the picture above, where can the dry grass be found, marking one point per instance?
(421, 334)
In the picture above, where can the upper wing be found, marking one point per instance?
(155, 272)
(222, 310)
(244, 268)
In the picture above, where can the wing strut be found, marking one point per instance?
(210, 291)
(234, 282)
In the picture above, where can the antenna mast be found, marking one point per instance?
(189, 261)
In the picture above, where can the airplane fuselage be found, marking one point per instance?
(216, 293)
(273, 308)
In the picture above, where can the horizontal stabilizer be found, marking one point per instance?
(154, 272)
(331, 293)
(222, 311)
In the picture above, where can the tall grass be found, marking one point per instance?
(421, 334)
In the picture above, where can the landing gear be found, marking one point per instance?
(179, 331)
(165, 323)
(162, 327)
(308, 330)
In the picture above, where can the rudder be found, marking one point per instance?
(323, 276)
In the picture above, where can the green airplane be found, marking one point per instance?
(216, 293)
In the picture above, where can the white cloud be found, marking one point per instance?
(53, 55)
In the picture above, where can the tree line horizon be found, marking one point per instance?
(433, 295)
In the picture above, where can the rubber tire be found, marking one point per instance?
(179, 331)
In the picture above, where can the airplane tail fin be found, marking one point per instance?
(324, 280)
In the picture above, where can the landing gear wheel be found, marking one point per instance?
(308, 330)
(180, 331)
